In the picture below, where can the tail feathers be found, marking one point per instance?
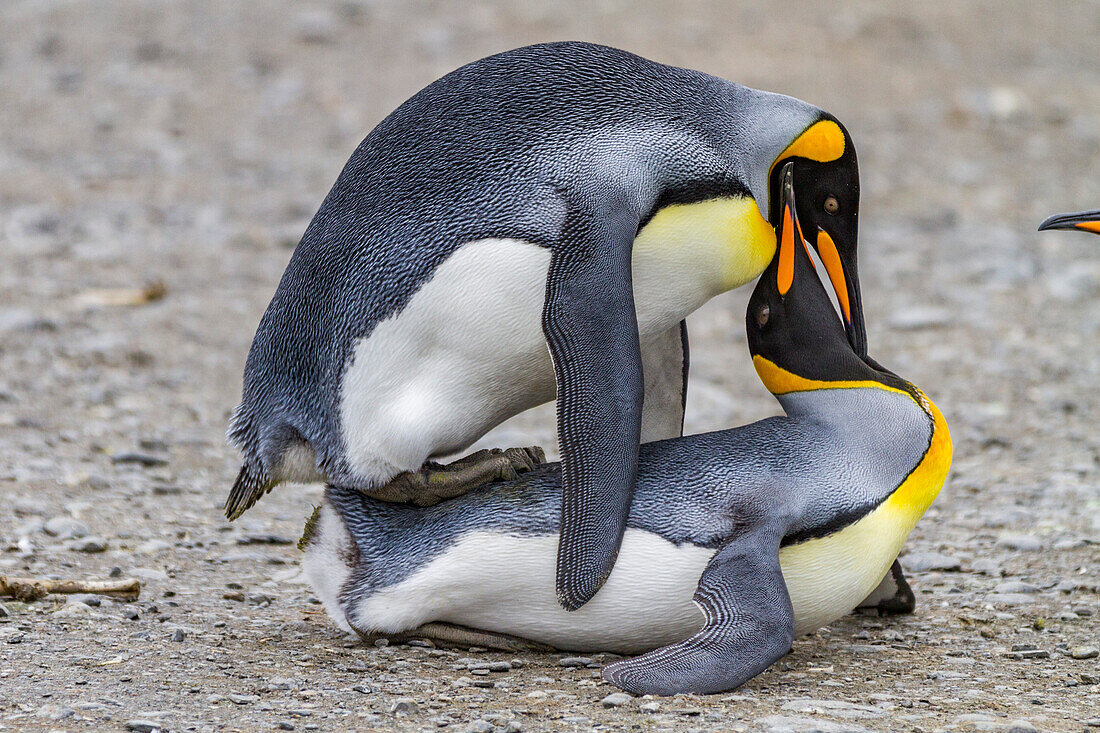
(250, 486)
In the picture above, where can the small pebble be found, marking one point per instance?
(143, 726)
(404, 706)
(178, 635)
(924, 561)
(575, 661)
(66, 528)
(89, 544)
(1020, 543)
(140, 458)
(1015, 586)
(1084, 652)
(616, 699)
(650, 706)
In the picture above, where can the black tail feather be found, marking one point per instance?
(249, 488)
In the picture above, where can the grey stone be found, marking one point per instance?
(575, 661)
(650, 706)
(4, 612)
(1015, 586)
(148, 574)
(178, 635)
(238, 699)
(144, 726)
(65, 528)
(923, 561)
(404, 706)
(838, 708)
(985, 566)
(785, 724)
(72, 610)
(89, 544)
(284, 683)
(1020, 543)
(616, 699)
(1084, 652)
(55, 712)
(140, 458)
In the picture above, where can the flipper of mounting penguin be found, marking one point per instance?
(592, 332)
(415, 313)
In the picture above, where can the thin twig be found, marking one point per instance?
(29, 590)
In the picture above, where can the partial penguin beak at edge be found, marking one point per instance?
(841, 276)
(1086, 221)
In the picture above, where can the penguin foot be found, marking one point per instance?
(435, 482)
(453, 635)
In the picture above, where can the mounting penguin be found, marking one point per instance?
(538, 223)
(773, 529)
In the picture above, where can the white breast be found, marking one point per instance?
(505, 583)
(467, 352)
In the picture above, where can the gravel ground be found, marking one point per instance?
(158, 161)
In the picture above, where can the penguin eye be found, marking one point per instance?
(762, 315)
(832, 206)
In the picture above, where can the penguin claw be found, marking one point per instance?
(434, 482)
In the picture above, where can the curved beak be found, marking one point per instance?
(1086, 221)
(841, 271)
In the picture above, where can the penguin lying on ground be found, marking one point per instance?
(778, 527)
(1086, 221)
(564, 195)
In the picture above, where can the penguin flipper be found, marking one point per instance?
(749, 626)
(591, 330)
(249, 488)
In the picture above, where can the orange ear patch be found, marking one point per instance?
(822, 141)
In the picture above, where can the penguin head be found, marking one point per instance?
(792, 320)
(826, 179)
(1085, 221)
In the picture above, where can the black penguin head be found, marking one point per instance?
(792, 321)
(1085, 221)
(828, 209)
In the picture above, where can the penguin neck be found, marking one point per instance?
(794, 392)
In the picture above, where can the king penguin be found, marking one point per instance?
(773, 529)
(535, 224)
(1085, 221)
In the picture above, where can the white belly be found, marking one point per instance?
(468, 352)
(505, 583)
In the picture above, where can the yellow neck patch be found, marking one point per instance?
(922, 486)
(779, 381)
(822, 141)
(719, 244)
